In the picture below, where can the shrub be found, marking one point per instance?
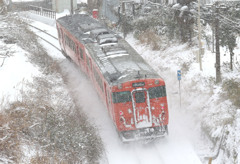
(45, 117)
(150, 38)
(232, 91)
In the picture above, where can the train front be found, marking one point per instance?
(140, 109)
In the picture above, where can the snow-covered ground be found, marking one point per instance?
(186, 143)
(201, 105)
(14, 72)
(78, 1)
(161, 151)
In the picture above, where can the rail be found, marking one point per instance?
(42, 11)
(44, 39)
(43, 31)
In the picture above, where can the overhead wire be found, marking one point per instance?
(229, 20)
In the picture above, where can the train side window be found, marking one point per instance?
(156, 92)
(121, 97)
(70, 43)
(81, 52)
(87, 60)
(89, 63)
(98, 79)
(59, 33)
(75, 48)
(108, 97)
(66, 39)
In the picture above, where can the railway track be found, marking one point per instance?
(160, 152)
(47, 37)
(148, 154)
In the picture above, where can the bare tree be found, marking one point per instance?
(3, 57)
(4, 4)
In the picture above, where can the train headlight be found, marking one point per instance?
(162, 106)
(120, 113)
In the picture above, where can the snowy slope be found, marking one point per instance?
(200, 96)
(14, 72)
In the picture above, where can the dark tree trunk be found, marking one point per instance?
(231, 59)
(218, 66)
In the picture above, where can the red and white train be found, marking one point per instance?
(134, 94)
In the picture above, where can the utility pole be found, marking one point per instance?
(213, 31)
(71, 7)
(199, 38)
(218, 66)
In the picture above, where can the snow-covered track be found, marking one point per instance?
(45, 36)
(148, 153)
(43, 31)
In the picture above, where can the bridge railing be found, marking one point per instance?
(42, 11)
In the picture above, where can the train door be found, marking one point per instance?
(141, 108)
(106, 95)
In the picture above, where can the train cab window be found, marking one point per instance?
(139, 97)
(121, 97)
(156, 92)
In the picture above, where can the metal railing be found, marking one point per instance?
(218, 147)
(42, 11)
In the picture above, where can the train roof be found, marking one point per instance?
(116, 59)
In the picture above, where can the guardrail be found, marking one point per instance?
(217, 151)
(42, 11)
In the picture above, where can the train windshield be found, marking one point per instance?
(122, 97)
(140, 97)
(156, 92)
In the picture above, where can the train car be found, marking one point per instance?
(133, 93)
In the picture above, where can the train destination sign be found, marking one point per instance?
(140, 84)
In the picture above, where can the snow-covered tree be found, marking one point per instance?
(4, 4)
(229, 30)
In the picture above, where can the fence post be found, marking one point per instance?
(42, 11)
(210, 161)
